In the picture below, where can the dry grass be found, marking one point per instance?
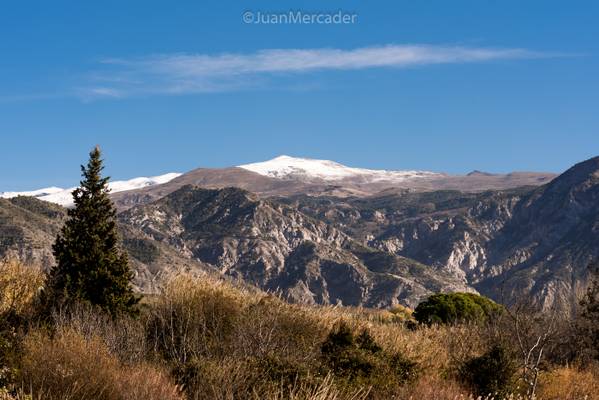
(325, 390)
(210, 339)
(70, 366)
(569, 383)
(19, 285)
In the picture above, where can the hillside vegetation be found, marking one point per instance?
(205, 338)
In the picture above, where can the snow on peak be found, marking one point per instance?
(64, 196)
(286, 167)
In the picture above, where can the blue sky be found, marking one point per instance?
(169, 86)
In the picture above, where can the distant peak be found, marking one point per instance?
(287, 167)
(64, 196)
(479, 173)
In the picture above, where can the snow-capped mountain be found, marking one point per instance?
(64, 197)
(285, 175)
(286, 167)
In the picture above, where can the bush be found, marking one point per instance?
(124, 336)
(569, 383)
(587, 335)
(491, 373)
(345, 356)
(360, 357)
(19, 285)
(456, 307)
(271, 327)
(194, 319)
(69, 366)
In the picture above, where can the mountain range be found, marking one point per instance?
(63, 196)
(319, 232)
(290, 175)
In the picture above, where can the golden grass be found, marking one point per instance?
(70, 366)
(19, 285)
(568, 383)
(206, 338)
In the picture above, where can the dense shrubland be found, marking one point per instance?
(203, 338)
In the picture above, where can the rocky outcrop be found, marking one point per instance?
(278, 248)
(531, 243)
(28, 228)
(394, 247)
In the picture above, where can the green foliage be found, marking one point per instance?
(491, 373)
(344, 355)
(456, 307)
(90, 267)
(142, 249)
(361, 358)
(587, 326)
(282, 371)
(7, 344)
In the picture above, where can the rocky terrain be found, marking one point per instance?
(526, 243)
(28, 228)
(320, 242)
(278, 248)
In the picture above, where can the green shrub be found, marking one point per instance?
(343, 354)
(490, 373)
(456, 307)
(142, 249)
(360, 357)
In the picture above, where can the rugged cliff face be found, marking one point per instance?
(550, 240)
(533, 243)
(278, 248)
(28, 228)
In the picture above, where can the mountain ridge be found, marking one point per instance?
(329, 243)
(285, 175)
(260, 242)
(63, 196)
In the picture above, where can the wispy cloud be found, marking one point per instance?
(197, 73)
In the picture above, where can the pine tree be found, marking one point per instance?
(589, 315)
(90, 267)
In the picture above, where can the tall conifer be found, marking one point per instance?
(90, 266)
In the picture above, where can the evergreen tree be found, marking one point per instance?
(588, 326)
(90, 267)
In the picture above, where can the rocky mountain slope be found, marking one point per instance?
(28, 228)
(278, 248)
(532, 243)
(320, 242)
